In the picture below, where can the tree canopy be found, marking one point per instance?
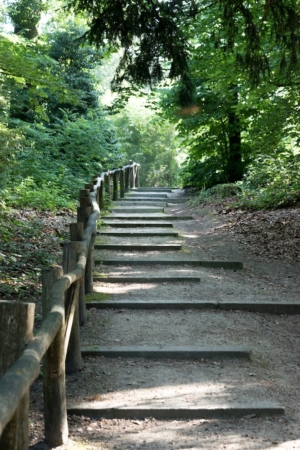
(221, 78)
(153, 34)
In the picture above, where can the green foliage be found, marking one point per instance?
(87, 145)
(151, 142)
(270, 182)
(75, 63)
(260, 35)
(231, 122)
(216, 194)
(148, 32)
(25, 65)
(53, 138)
(10, 142)
(25, 15)
(53, 163)
(45, 196)
(203, 173)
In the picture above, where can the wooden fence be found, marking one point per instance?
(56, 345)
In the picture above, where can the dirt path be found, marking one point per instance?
(272, 374)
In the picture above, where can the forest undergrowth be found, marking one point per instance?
(30, 240)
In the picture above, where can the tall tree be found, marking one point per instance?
(75, 63)
(25, 16)
(216, 129)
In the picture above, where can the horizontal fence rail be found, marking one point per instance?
(57, 343)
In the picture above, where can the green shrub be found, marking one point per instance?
(203, 173)
(43, 197)
(270, 182)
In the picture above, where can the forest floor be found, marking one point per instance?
(268, 244)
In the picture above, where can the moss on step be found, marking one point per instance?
(99, 274)
(101, 240)
(97, 297)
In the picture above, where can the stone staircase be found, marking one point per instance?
(161, 308)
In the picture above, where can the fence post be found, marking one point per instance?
(134, 171)
(84, 198)
(83, 193)
(131, 178)
(76, 233)
(127, 171)
(83, 214)
(107, 183)
(101, 196)
(122, 184)
(89, 186)
(54, 374)
(73, 357)
(90, 265)
(16, 330)
(95, 182)
(115, 187)
(137, 180)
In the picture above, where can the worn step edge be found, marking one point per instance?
(142, 247)
(184, 352)
(167, 189)
(137, 224)
(107, 279)
(147, 199)
(148, 217)
(137, 233)
(141, 193)
(158, 204)
(140, 304)
(266, 307)
(261, 307)
(94, 410)
(234, 265)
(136, 210)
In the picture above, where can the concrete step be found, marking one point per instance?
(148, 199)
(145, 217)
(91, 302)
(152, 190)
(222, 411)
(138, 233)
(139, 247)
(184, 352)
(234, 265)
(172, 389)
(141, 279)
(181, 304)
(136, 210)
(158, 203)
(140, 224)
(148, 195)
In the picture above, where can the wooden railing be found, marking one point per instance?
(57, 343)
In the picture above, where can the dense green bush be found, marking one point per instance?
(203, 173)
(52, 164)
(270, 182)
